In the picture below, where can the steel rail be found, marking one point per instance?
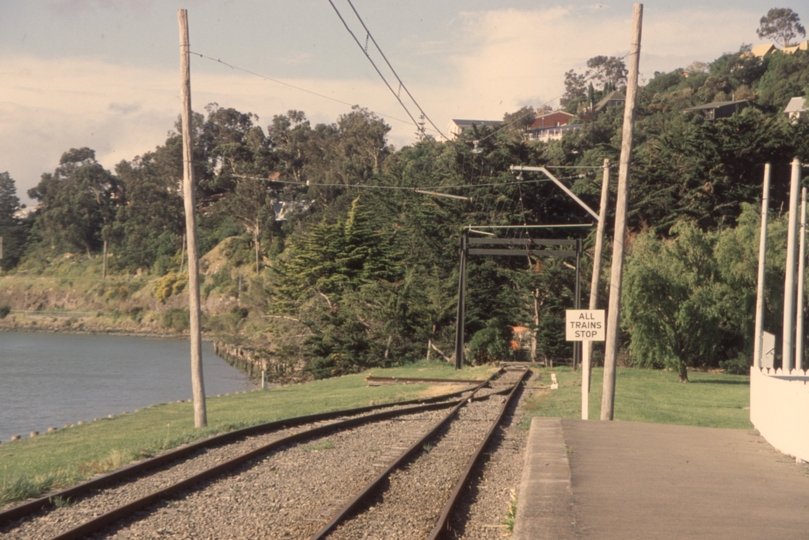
(416, 380)
(440, 526)
(137, 470)
(370, 488)
(130, 508)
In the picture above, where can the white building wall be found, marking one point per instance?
(779, 409)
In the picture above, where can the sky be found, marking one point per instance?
(105, 73)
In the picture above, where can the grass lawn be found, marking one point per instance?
(29, 467)
(644, 395)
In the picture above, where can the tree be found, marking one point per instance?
(782, 25)
(341, 282)
(575, 90)
(77, 201)
(290, 135)
(360, 146)
(149, 224)
(12, 230)
(520, 120)
(251, 204)
(672, 300)
(607, 70)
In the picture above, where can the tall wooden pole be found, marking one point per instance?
(762, 260)
(799, 296)
(587, 346)
(616, 274)
(461, 317)
(787, 347)
(200, 416)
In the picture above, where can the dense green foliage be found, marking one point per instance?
(12, 228)
(338, 261)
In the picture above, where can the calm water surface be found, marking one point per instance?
(56, 379)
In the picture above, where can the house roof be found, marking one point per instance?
(795, 48)
(762, 50)
(551, 119)
(615, 95)
(716, 105)
(796, 104)
(469, 123)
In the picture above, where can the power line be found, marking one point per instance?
(378, 48)
(365, 52)
(265, 77)
(401, 188)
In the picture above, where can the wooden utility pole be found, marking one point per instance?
(200, 416)
(616, 274)
(587, 346)
(762, 260)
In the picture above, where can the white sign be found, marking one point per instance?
(585, 325)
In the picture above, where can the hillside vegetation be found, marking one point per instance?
(317, 246)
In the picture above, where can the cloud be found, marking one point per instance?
(51, 105)
(124, 108)
(517, 57)
(493, 62)
(72, 8)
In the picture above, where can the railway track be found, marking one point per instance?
(415, 496)
(283, 479)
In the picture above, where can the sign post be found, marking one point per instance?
(585, 325)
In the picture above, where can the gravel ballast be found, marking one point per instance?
(295, 490)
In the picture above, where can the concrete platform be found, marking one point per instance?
(625, 480)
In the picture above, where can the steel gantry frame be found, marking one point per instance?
(529, 244)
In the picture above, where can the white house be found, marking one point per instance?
(456, 127)
(797, 108)
(551, 126)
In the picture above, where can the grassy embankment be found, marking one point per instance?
(32, 466)
(29, 467)
(66, 293)
(643, 395)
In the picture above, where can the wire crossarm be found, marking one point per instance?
(520, 168)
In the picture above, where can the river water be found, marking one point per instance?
(56, 379)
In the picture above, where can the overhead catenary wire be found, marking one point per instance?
(401, 188)
(420, 127)
(365, 52)
(402, 85)
(294, 87)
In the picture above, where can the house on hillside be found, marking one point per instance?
(551, 126)
(795, 48)
(456, 127)
(797, 108)
(719, 109)
(760, 51)
(613, 99)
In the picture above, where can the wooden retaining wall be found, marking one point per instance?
(255, 360)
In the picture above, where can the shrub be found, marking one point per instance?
(177, 319)
(740, 365)
(490, 344)
(4, 311)
(170, 284)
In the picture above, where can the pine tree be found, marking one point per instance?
(12, 231)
